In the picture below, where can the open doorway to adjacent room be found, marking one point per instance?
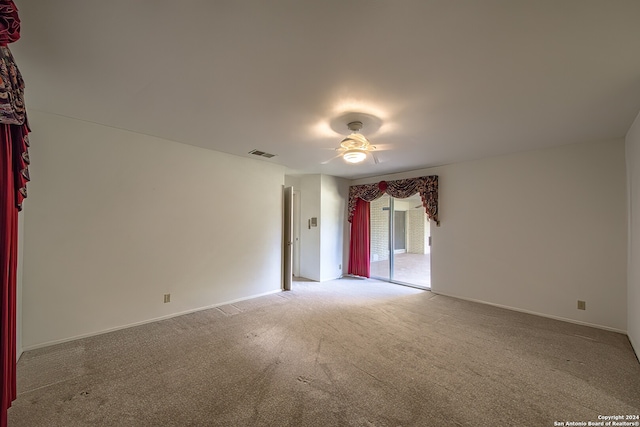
(400, 241)
(291, 237)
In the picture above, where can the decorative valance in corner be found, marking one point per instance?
(427, 186)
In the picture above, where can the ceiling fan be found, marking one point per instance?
(355, 147)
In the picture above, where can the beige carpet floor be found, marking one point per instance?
(342, 353)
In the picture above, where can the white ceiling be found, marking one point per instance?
(449, 80)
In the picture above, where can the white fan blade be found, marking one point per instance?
(333, 158)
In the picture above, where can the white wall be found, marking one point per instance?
(334, 197)
(292, 181)
(310, 195)
(633, 189)
(324, 197)
(518, 231)
(116, 219)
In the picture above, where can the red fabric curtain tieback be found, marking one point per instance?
(9, 22)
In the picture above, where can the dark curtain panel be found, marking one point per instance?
(359, 263)
(13, 180)
(8, 267)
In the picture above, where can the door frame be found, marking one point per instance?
(296, 233)
(287, 238)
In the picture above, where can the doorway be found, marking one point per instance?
(287, 238)
(296, 233)
(290, 237)
(401, 224)
(399, 232)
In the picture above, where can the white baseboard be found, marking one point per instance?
(144, 322)
(535, 313)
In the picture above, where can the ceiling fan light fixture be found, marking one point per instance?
(356, 138)
(354, 156)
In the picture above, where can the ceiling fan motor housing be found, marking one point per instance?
(355, 126)
(355, 141)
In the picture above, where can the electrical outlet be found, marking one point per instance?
(582, 305)
(339, 266)
(167, 298)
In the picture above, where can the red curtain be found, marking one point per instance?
(359, 263)
(8, 265)
(14, 174)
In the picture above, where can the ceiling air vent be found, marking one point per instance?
(261, 154)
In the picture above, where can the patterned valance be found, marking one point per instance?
(14, 126)
(427, 186)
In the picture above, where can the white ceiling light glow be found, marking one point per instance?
(354, 156)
